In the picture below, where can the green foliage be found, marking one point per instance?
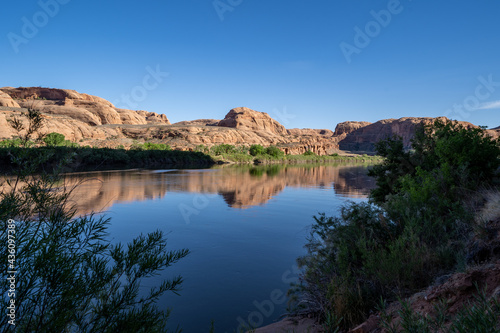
(87, 158)
(70, 276)
(11, 143)
(274, 152)
(54, 139)
(34, 122)
(202, 149)
(150, 146)
(256, 150)
(309, 153)
(418, 232)
(459, 158)
(221, 149)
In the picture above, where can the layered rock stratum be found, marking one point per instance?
(92, 120)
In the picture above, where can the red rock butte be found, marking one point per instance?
(92, 120)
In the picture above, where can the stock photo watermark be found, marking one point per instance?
(223, 6)
(11, 271)
(266, 308)
(200, 202)
(372, 29)
(139, 93)
(31, 26)
(282, 116)
(476, 101)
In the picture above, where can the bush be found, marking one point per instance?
(150, 146)
(257, 150)
(460, 158)
(10, 143)
(418, 232)
(274, 152)
(218, 150)
(309, 153)
(71, 278)
(54, 139)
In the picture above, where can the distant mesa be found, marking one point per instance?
(92, 120)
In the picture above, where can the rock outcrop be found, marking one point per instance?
(365, 137)
(7, 101)
(310, 132)
(91, 110)
(348, 127)
(248, 119)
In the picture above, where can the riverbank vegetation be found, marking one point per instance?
(258, 154)
(420, 223)
(62, 272)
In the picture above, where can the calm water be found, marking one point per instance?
(244, 225)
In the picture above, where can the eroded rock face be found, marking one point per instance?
(248, 119)
(310, 132)
(364, 138)
(349, 126)
(91, 110)
(7, 101)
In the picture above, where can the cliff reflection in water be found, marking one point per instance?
(240, 186)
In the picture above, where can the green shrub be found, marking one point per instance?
(149, 146)
(9, 143)
(257, 150)
(70, 276)
(274, 152)
(461, 159)
(54, 139)
(218, 150)
(419, 230)
(309, 153)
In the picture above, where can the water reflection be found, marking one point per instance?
(240, 186)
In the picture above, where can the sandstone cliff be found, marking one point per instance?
(91, 120)
(248, 119)
(91, 110)
(365, 137)
(348, 127)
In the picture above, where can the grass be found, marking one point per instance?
(479, 315)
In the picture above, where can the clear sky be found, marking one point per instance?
(307, 63)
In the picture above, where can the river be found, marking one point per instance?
(244, 225)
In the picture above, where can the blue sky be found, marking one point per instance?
(306, 63)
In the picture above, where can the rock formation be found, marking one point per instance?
(348, 127)
(365, 137)
(248, 119)
(7, 101)
(91, 110)
(91, 120)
